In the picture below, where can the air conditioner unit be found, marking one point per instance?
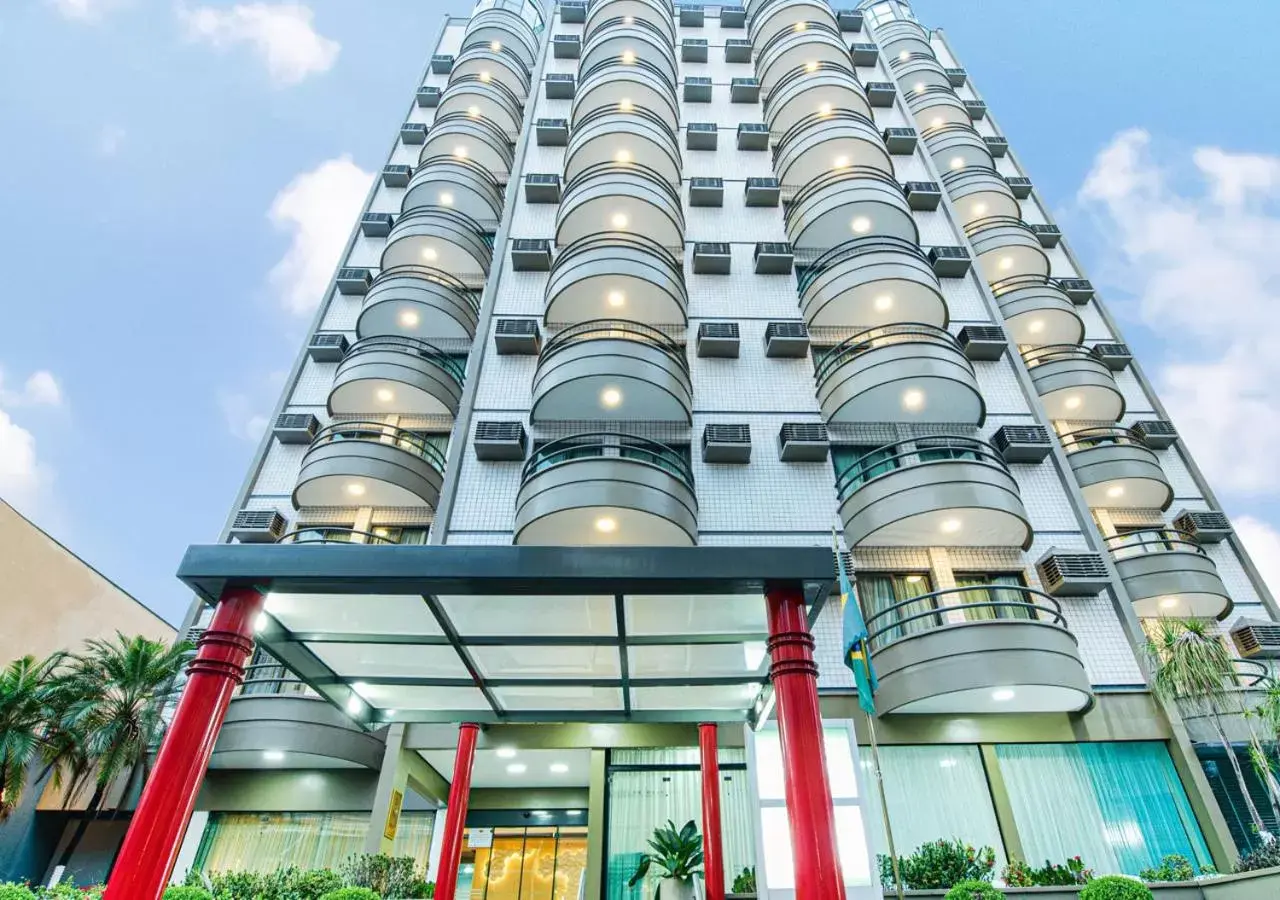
(1072, 574)
(706, 192)
(1156, 434)
(561, 86)
(500, 441)
(774, 258)
(986, 343)
(1049, 235)
(881, 93)
(257, 526)
(763, 191)
(693, 49)
(413, 132)
(1115, 357)
(692, 16)
(376, 224)
(976, 109)
(1020, 185)
(697, 89)
(726, 444)
(1022, 443)
(551, 132)
(998, 146)
(1206, 526)
(1078, 290)
(396, 176)
(744, 90)
(736, 50)
(733, 17)
(573, 12)
(803, 442)
(517, 336)
(753, 136)
(354, 281)
(327, 347)
(786, 340)
(542, 187)
(900, 141)
(1257, 639)
(956, 76)
(567, 46)
(701, 136)
(441, 64)
(718, 339)
(864, 54)
(923, 196)
(428, 97)
(295, 428)
(849, 19)
(531, 255)
(949, 262)
(711, 258)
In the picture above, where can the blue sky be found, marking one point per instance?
(174, 186)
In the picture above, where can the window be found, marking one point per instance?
(393, 535)
(991, 587)
(1135, 540)
(855, 465)
(882, 593)
(933, 449)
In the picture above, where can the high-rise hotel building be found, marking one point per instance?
(648, 305)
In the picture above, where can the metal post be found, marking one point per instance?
(455, 819)
(712, 842)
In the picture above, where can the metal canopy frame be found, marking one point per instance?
(545, 573)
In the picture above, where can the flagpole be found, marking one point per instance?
(884, 803)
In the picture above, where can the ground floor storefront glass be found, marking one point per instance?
(523, 863)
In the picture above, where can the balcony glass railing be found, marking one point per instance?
(920, 451)
(605, 445)
(890, 619)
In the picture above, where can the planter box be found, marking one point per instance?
(1260, 885)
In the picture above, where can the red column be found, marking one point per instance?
(151, 846)
(455, 818)
(809, 808)
(713, 854)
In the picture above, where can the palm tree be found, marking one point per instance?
(109, 701)
(24, 708)
(1191, 666)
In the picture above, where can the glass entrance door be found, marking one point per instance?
(539, 863)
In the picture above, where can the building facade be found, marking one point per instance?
(652, 277)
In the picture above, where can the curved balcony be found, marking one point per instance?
(918, 71)
(1115, 470)
(441, 238)
(489, 100)
(872, 281)
(632, 43)
(806, 91)
(1166, 573)
(612, 370)
(458, 184)
(956, 147)
(623, 136)
(902, 36)
(617, 85)
(821, 142)
(935, 108)
(899, 373)
(975, 650)
(846, 203)
(613, 274)
(789, 49)
(418, 302)
(657, 13)
(1006, 248)
(503, 67)
(1037, 311)
(1073, 385)
(610, 489)
(930, 492)
(397, 375)
(369, 464)
(767, 20)
(463, 137)
(334, 534)
(622, 198)
(502, 29)
(978, 193)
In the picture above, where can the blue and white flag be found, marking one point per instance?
(857, 656)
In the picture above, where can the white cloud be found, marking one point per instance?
(248, 412)
(110, 140)
(23, 476)
(1263, 543)
(1202, 266)
(40, 389)
(280, 33)
(85, 10)
(318, 207)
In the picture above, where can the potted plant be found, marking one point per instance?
(676, 856)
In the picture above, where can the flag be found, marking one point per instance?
(856, 654)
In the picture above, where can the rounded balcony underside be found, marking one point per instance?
(1041, 315)
(473, 139)
(917, 74)
(616, 280)
(1008, 251)
(979, 194)
(384, 475)
(777, 18)
(902, 36)
(482, 63)
(435, 239)
(506, 28)
(393, 381)
(906, 381)
(957, 149)
(615, 86)
(1078, 389)
(311, 732)
(1175, 583)
(877, 288)
(655, 12)
(415, 306)
(629, 43)
(483, 101)
(845, 209)
(611, 379)
(1120, 476)
(933, 110)
(622, 203)
(827, 143)
(952, 503)
(457, 185)
(962, 668)
(570, 504)
(623, 138)
(812, 49)
(817, 94)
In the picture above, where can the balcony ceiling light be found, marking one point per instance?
(473, 112)
(919, 87)
(840, 162)
(616, 298)
(629, 57)
(811, 67)
(517, 769)
(1168, 602)
(861, 225)
(356, 489)
(625, 104)
(1072, 402)
(506, 752)
(936, 122)
(611, 397)
(824, 109)
(883, 303)
(606, 525)
(1036, 326)
(1006, 263)
(1116, 490)
(801, 26)
(619, 220)
(460, 152)
(429, 254)
(1002, 695)
(446, 199)
(957, 162)
(904, 55)
(979, 209)
(913, 401)
(273, 755)
(384, 395)
(409, 319)
(496, 46)
(559, 768)
(622, 156)
(628, 20)
(485, 77)
(950, 526)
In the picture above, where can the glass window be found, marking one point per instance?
(986, 588)
(413, 836)
(524, 864)
(870, 461)
(933, 449)
(1118, 806)
(394, 535)
(881, 593)
(264, 842)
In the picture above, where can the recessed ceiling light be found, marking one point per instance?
(801, 26)
(611, 397)
(460, 152)
(260, 621)
(913, 400)
(919, 88)
(1006, 263)
(506, 752)
(409, 319)
(273, 755)
(840, 162)
(356, 489)
(559, 768)
(861, 225)
(485, 76)
(473, 112)
(354, 704)
(1072, 402)
(979, 209)
(1001, 695)
(628, 20)
(446, 199)
(1116, 490)
(811, 67)
(936, 122)
(606, 525)
(616, 298)
(384, 395)
(619, 220)
(950, 526)
(1168, 602)
(429, 254)
(883, 302)
(1036, 326)
(628, 56)
(625, 104)
(904, 55)
(825, 109)
(496, 46)
(517, 769)
(575, 812)
(622, 156)
(957, 162)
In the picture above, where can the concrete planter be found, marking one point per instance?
(1260, 885)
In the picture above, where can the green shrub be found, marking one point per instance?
(387, 876)
(1018, 874)
(1264, 857)
(352, 893)
(973, 890)
(940, 864)
(11, 891)
(745, 881)
(1175, 867)
(1115, 887)
(67, 890)
(187, 893)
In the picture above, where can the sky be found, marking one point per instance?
(177, 180)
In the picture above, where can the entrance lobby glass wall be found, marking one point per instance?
(538, 863)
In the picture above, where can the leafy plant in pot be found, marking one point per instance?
(675, 857)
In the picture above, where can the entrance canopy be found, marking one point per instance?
(518, 634)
